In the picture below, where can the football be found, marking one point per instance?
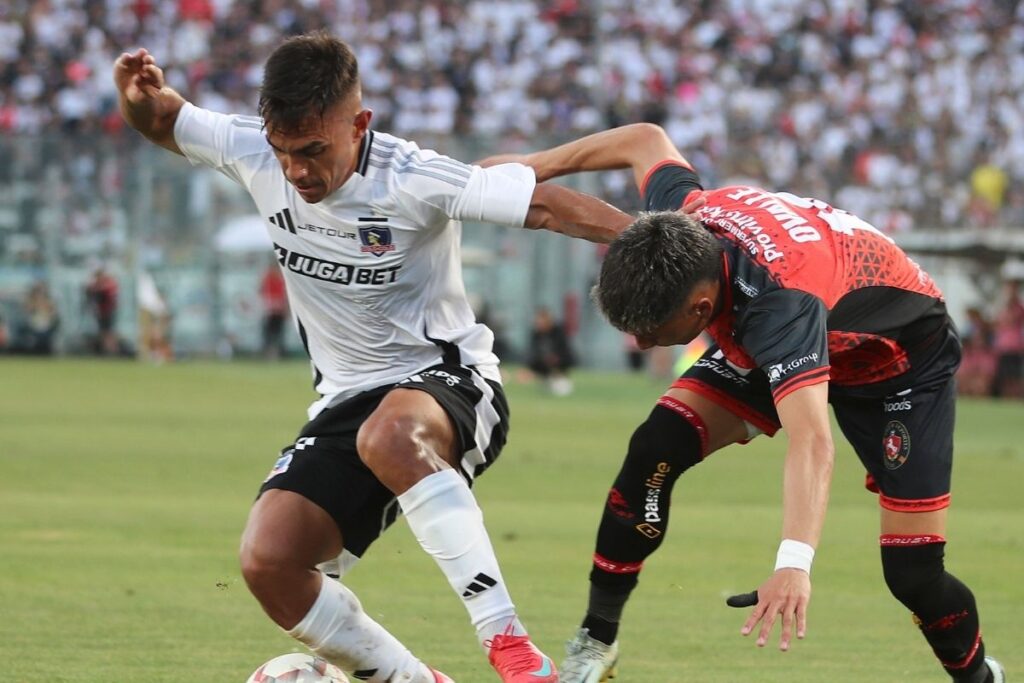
(298, 667)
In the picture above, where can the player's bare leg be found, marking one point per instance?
(410, 445)
(913, 545)
(635, 518)
(285, 537)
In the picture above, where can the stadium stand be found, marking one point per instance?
(910, 114)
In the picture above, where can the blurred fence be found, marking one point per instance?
(71, 204)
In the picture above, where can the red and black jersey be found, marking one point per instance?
(812, 293)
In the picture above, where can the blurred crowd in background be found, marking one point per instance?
(910, 114)
(906, 113)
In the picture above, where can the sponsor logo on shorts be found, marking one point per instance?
(897, 406)
(446, 377)
(895, 445)
(722, 369)
(282, 464)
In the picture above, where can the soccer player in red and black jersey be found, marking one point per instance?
(807, 305)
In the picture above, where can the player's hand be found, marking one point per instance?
(138, 77)
(785, 594)
(691, 207)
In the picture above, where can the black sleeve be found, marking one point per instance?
(784, 332)
(667, 187)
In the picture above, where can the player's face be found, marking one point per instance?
(320, 155)
(684, 325)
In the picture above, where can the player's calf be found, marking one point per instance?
(337, 629)
(943, 607)
(636, 512)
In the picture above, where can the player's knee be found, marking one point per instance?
(387, 441)
(665, 442)
(911, 571)
(660, 450)
(265, 571)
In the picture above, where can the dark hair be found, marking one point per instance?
(305, 76)
(651, 269)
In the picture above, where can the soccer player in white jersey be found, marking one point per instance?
(366, 230)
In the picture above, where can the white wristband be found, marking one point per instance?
(795, 555)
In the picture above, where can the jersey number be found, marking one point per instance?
(838, 220)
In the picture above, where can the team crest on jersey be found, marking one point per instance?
(376, 240)
(895, 445)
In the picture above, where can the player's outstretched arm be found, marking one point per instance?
(638, 146)
(147, 103)
(807, 480)
(573, 213)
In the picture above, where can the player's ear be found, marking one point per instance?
(361, 123)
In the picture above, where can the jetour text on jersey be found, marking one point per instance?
(329, 271)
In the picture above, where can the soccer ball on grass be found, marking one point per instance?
(298, 667)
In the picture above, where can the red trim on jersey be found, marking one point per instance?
(604, 564)
(863, 358)
(909, 539)
(661, 164)
(804, 379)
(688, 414)
(738, 408)
(923, 505)
(962, 664)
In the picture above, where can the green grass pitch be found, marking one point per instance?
(123, 489)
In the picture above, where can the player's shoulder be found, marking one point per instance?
(398, 159)
(217, 138)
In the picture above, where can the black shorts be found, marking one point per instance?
(323, 465)
(903, 439)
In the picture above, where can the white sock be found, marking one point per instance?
(448, 524)
(337, 629)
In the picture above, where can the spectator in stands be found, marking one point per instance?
(809, 86)
(154, 320)
(38, 330)
(275, 310)
(977, 368)
(101, 301)
(1008, 344)
(550, 357)
(4, 335)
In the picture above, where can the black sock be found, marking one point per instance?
(636, 512)
(604, 613)
(944, 608)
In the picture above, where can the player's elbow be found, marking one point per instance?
(649, 134)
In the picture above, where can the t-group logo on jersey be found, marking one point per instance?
(778, 371)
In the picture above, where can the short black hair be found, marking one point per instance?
(651, 269)
(305, 76)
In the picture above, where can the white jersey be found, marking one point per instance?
(373, 272)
